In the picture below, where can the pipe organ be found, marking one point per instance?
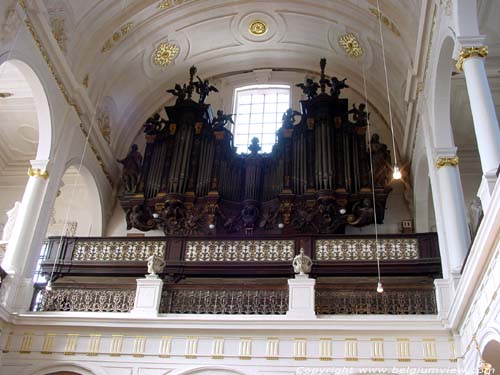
(322, 175)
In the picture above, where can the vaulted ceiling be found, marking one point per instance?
(111, 44)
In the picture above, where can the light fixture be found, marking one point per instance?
(342, 211)
(380, 288)
(211, 226)
(156, 215)
(396, 173)
(4, 95)
(281, 225)
(48, 287)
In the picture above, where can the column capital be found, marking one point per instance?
(39, 169)
(470, 51)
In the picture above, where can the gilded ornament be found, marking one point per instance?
(466, 52)
(117, 35)
(37, 172)
(257, 28)
(386, 21)
(165, 54)
(444, 161)
(164, 4)
(351, 45)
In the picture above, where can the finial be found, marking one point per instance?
(323, 81)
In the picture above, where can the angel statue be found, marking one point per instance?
(179, 91)
(337, 86)
(302, 263)
(220, 122)
(309, 88)
(288, 118)
(203, 88)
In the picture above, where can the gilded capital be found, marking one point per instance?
(466, 52)
(446, 161)
(37, 172)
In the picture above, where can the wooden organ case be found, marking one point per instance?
(317, 179)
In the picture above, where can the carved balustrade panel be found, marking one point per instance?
(395, 302)
(366, 249)
(216, 301)
(121, 250)
(240, 251)
(86, 300)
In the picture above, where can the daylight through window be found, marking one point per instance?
(259, 110)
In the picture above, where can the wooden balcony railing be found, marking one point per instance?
(400, 254)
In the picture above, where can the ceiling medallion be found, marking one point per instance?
(164, 54)
(257, 28)
(351, 45)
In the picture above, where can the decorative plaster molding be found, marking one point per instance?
(444, 161)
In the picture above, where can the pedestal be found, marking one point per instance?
(301, 298)
(148, 296)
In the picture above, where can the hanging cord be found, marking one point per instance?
(368, 128)
(397, 174)
(75, 184)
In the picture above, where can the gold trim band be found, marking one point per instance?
(446, 161)
(37, 172)
(466, 52)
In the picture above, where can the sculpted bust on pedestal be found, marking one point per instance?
(302, 263)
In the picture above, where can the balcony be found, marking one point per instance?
(243, 276)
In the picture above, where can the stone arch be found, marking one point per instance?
(43, 111)
(63, 369)
(80, 189)
(441, 105)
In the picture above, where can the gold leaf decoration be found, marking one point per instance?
(351, 45)
(117, 35)
(165, 54)
(257, 28)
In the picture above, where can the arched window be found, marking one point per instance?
(259, 110)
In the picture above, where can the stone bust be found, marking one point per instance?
(302, 263)
(155, 266)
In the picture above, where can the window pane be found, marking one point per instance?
(242, 119)
(259, 114)
(283, 98)
(257, 98)
(243, 109)
(244, 99)
(256, 118)
(271, 98)
(257, 108)
(269, 117)
(270, 108)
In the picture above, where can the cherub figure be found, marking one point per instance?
(203, 88)
(288, 118)
(337, 86)
(179, 91)
(220, 122)
(359, 115)
(309, 88)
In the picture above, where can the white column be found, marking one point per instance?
(22, 236)
(454, 218)
(471, 61)
(19, 288)
(301, 297)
